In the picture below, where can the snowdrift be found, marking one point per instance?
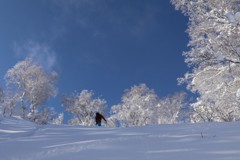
(21, 140)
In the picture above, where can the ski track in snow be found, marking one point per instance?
(21, 140)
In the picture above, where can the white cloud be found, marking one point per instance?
(40, 53)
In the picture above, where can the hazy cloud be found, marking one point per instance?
(40, 53)
(91, 14)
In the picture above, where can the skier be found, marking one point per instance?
(99, 118)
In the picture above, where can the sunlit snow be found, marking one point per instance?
(22, 140)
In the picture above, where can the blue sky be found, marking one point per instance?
(102, 45)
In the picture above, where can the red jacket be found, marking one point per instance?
(99, 118)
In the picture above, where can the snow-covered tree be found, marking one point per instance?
(137, 107)
(59, 119)
(170, 108)
(1, 101)
(31, 85)
(213, 30)
(214, 57)
(83, 106)
(43, 115)
(9, 104)
(1, 95)
(219, 100)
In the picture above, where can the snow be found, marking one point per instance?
(237, 17)
(238, 93)
(21, 140)
(233, 18)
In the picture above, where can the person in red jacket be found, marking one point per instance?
(99, 118)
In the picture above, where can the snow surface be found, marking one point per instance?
(21, 140)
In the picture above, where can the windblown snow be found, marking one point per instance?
(21, 140)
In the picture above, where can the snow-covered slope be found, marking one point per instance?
(21, 140)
